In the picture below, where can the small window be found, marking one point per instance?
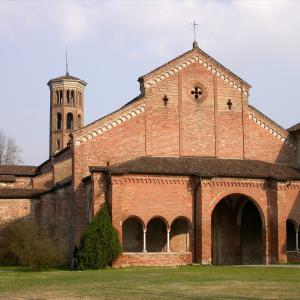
(58, 144)
(60, 96)
(69, 121)
(72, 97)
(79, 121)
(57, 97)
(58, 121)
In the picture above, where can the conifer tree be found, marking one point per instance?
(99, 245)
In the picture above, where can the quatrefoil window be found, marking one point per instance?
(197, 92)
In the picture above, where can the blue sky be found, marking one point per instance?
(112, 43)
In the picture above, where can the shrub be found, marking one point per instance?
(25, 243)
(99, 245)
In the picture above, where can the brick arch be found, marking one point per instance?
(244, 240)
(132, 234)
(181, 217)
(291, 220)
(230, 192)
(135, 217)
(159, 217)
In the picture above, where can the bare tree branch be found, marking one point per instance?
(9, 151)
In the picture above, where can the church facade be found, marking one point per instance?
(191, 172)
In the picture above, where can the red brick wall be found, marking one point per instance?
(150, 196)
(153, 259)
(44, 180)
(14, 209)
(262, 145)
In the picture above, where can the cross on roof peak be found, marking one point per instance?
(195, 44)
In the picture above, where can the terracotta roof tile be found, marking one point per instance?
(17, 170)
(7, 178)
(19, 193)
(205, 167)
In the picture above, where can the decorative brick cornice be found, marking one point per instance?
(271, 127)
(206, 62)
(109, 123)
(148, 179)
(233, 183)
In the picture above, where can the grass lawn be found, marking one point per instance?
(192, 282)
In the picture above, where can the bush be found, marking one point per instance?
(99, 245)
(24, 243)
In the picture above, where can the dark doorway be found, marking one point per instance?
(237, 232)
(251, 235)
(290, 236)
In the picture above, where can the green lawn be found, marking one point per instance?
(193, 282)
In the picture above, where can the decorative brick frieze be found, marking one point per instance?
(278, 132)
(204, 62)
(148, 179)
(106, 125)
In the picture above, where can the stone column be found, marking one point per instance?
(168, 240)
(144, 240)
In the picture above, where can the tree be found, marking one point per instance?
(25, 243)
(99, 245)
(9, 151)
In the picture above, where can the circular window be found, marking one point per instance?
(198, 92)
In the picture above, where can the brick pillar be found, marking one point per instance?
(271, 220)
(281, 242)
(98, 191)
(205, 225)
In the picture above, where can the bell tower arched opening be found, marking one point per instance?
(64, 110)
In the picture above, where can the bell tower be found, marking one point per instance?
(66, 110)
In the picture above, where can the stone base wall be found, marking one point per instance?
(153, 259)
(293, 256)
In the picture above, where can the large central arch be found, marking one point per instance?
(237, 231)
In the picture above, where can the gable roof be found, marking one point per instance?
(205, 167)
(196, 55)
(17, 170)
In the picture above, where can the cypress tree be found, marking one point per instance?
(99, 245)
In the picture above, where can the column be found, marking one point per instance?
(297, 241)
(168, 240)
(144, 240)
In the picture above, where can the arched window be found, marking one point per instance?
(79, 121)
(180, 235)
(58, 144)
(157, 235)
(69, 121)
(132, 235)
(60, 97)
(72, 97)
(68, 96)
(57, 97)
(58, 121)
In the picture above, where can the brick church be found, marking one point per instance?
(192, 173)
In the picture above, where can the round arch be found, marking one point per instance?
(132, 234)
(136, 217)
(238, 230)
(159, 217)
(157, 234)
(180, 234)
(223, 195)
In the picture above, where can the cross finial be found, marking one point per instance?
(195, 44)
(67, 64)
